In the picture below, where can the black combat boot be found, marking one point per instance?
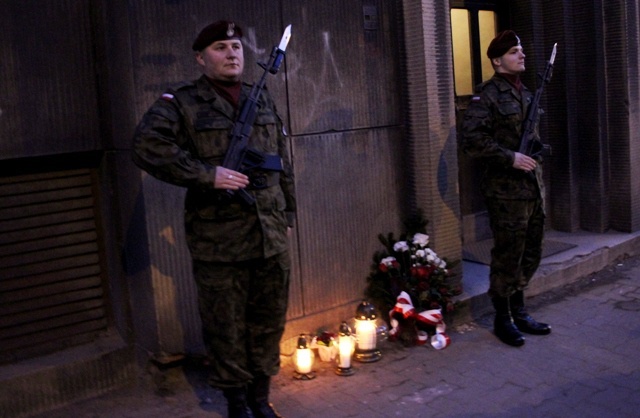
(259, 398)
(503, 325)
(522, 319)
(237, 406)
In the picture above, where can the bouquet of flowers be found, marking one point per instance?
(326, 344)
(409, 265)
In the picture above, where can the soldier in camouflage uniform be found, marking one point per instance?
(240, 252)
(512, 187)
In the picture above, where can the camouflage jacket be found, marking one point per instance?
(491, 131)
(183, 137)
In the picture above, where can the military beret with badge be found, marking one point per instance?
(222, 30)
(502, 43)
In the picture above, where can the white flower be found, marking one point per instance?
(421, 240)
(430, 255)
(400, 247)
(421, 253)
(442, 264)
(388, 261)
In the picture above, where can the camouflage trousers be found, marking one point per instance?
(518, 231)
(243, 308)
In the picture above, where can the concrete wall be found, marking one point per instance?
(367, 94)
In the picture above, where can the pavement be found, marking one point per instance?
(588, 366)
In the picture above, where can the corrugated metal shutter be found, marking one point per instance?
(51, 287)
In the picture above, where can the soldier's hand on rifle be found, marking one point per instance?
(523, 162)
(230, 179)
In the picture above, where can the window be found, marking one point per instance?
(472, 29)
(487, 31)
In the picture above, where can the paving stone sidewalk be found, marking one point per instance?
(588, 367)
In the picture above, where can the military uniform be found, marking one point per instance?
(512, 186)
(491, 131)
(240, 251)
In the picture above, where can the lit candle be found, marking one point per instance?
(366, 334)
(345, 351)
(345, 347)
(303, 360)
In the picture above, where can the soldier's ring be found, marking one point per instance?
(230, 177)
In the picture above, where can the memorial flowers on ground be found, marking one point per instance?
(409, 278)
(326, 344)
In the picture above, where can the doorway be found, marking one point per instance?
(473, 26)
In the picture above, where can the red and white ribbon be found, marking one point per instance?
(431, 318)
(440, 341)
(403, 306)
(422, 337)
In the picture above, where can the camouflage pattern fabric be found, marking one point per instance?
(518, 231)
(243, 307)
(491, 132)
(183, 137)
(240, 252)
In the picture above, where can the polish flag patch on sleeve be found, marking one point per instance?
(167, 96)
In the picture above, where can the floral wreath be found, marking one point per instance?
(409, 271)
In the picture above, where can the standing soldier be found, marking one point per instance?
(512, 187)
(239, 250)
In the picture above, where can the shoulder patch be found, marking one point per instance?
(173, 89)
(475, 99)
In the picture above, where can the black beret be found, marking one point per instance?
(502, 43)
(222, 30)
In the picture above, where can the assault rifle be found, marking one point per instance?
(239, 157)
(529, 145)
